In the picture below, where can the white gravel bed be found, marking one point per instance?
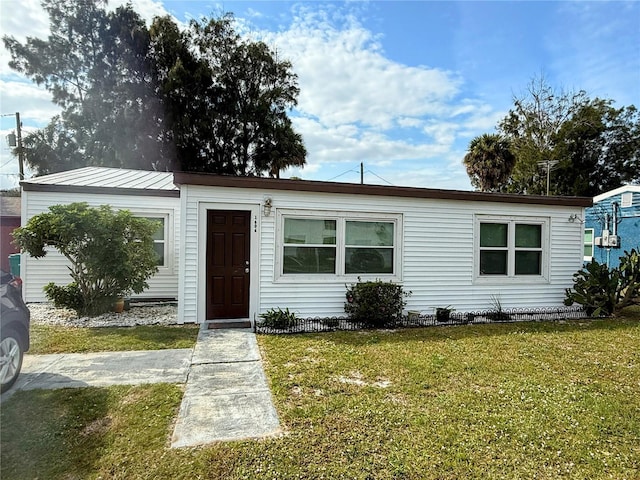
(139, 314)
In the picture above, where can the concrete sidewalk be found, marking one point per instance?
(226, 396)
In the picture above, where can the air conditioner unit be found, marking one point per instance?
(597, 241)
(614, 241)
(605, 238)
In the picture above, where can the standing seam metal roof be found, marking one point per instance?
(105, 177)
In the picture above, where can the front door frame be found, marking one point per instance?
(254, 236)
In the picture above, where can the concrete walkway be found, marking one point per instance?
(226, 396)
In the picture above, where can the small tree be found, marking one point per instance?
(111, 253)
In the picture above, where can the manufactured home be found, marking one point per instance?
(234, 247)
(612, 225)
(146, 194)
(251, 244)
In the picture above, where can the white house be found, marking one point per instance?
(144, 193)
(251, 244)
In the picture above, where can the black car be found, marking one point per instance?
(14, 329)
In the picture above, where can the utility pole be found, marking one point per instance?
(20, 152)
(12, 143)
(361, 173)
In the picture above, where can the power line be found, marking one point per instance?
(376, 175)
(343, 173)
(360, 171)
(6, 163)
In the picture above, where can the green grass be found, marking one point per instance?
(530, 400)
(56, 339)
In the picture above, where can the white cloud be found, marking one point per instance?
(358, 105)
(345, 77)
(33, 103)
(147, 9)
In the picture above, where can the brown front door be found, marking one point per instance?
(228, 252)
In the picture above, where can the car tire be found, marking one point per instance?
(11, 355)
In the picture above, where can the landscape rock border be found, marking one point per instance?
(138, 314)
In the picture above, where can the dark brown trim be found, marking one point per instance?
(43, 187)
(210, 180)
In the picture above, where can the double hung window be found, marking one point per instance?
(160, 240)
(513, 247)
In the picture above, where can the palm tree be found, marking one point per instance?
(489, 162)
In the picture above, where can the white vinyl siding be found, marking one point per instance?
(436, 251)
(37, 272)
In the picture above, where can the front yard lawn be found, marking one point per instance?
(57, 339)
(523, 400)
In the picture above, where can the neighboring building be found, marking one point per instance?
(144, 193)
(9, 221)
(612, 225)
(251, 244)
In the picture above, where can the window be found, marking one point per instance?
(159, 240)
(626, 200)
(511, 247)
(369, 247)
(339, 244)
(588, 244)
(309, 246)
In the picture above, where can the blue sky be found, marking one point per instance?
(399, 86)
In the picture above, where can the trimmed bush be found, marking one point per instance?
(68, 296)
(375, 303)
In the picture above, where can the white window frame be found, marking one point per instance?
(626, 200)
(511, 277)
(166, 217)
(341, 218)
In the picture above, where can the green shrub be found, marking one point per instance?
(68, 296)
(604, 291)
(279, 318)
(375, 303)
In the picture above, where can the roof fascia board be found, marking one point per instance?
(211, 180)
(616, 191)
(43, 187)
